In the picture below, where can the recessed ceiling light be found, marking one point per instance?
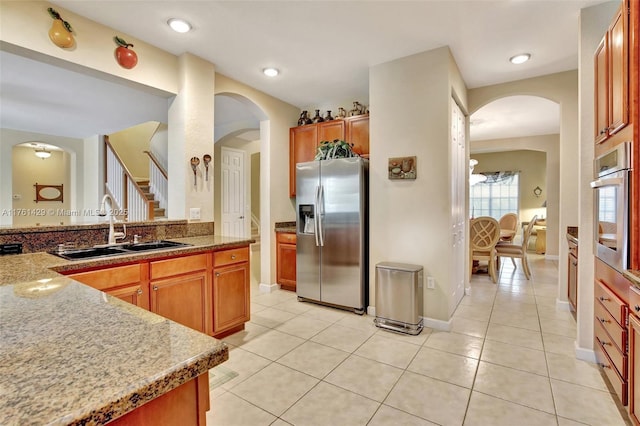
(179, 25)
(520, 59)
(270, 72)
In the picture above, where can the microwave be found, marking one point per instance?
(611, 206)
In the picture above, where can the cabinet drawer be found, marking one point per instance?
(110, 277)
(286, 237)
(177, 266)
(229, 257)
(616, 306)
(618, 383)
(617, 357)
(617, 333)
(634, 301)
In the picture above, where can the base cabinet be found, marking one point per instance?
(611, 340)
(128, 282)
(231, 301)
(286, 260)
(185, 405)
(208, 291)
(634, 355)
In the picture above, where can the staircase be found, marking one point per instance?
(157, 211)
(255, 232)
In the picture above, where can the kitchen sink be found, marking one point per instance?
(153, 245)
(90, 253)
(99, 252)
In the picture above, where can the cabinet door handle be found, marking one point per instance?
(637, 308)
(603, 365)
(602, 320)
(155, 287)
(233, 256)
(604, 299)
(574, 263)
(605, 343)
(217, 274)
(139, 291)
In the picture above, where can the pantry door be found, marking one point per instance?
(233, 193)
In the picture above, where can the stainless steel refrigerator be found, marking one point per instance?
(332, 232)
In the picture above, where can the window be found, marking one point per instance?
(496, 196)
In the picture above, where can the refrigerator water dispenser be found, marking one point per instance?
(306, 219)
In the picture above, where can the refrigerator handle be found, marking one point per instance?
(320, 214)
(316, 225)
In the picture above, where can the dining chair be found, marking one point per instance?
(508, 227)
(518, 250)
(484, 235)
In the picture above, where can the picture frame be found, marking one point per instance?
(402, 167)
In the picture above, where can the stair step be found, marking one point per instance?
(150, 196)
(158, 213)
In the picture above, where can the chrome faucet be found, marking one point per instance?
(113, 236)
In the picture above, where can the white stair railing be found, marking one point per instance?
(123, 188)
(158, 180)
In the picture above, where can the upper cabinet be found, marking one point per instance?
(612, 78)
(304, 141)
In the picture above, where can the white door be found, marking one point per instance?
(458, 210)
(233, 193)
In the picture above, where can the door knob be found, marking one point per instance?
(241, 217)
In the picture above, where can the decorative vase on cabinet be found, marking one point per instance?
(317, 118)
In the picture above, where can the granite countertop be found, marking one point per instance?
(288, 227)
(74, 355)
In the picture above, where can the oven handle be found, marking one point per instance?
(600, 183)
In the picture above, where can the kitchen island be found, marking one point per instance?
(75, 355)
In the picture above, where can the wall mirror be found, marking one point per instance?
(69, 109)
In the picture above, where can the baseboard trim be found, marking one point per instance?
(563, 306)
(551, 257)
(438, 324)
(585, 354)
(268, 288)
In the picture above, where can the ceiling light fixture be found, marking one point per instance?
(270, 72)
(520, 59)
(179, 25)
(43, 153)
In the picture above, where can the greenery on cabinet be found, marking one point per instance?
(335, 149)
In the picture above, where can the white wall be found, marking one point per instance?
(410, 220)
(594, 22)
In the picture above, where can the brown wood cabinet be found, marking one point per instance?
(612, 78)
(304, 141)
(185, 405)
(610, 326)
(634, 355)
(572, 282)
(231, 300)
(180, 289)
(186, 289)
(128, 282)
(286, 260)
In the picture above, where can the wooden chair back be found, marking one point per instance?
(484, 233)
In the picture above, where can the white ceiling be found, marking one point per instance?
(324, 49)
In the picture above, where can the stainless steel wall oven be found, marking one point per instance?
(611, 206)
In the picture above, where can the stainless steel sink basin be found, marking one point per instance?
(99, 252)
(90, 253)
(153, 245)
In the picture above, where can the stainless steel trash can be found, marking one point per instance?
(399, 293)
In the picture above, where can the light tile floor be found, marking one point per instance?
(509, 360)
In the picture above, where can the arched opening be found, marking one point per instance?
(520, 134)
(237, 172)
